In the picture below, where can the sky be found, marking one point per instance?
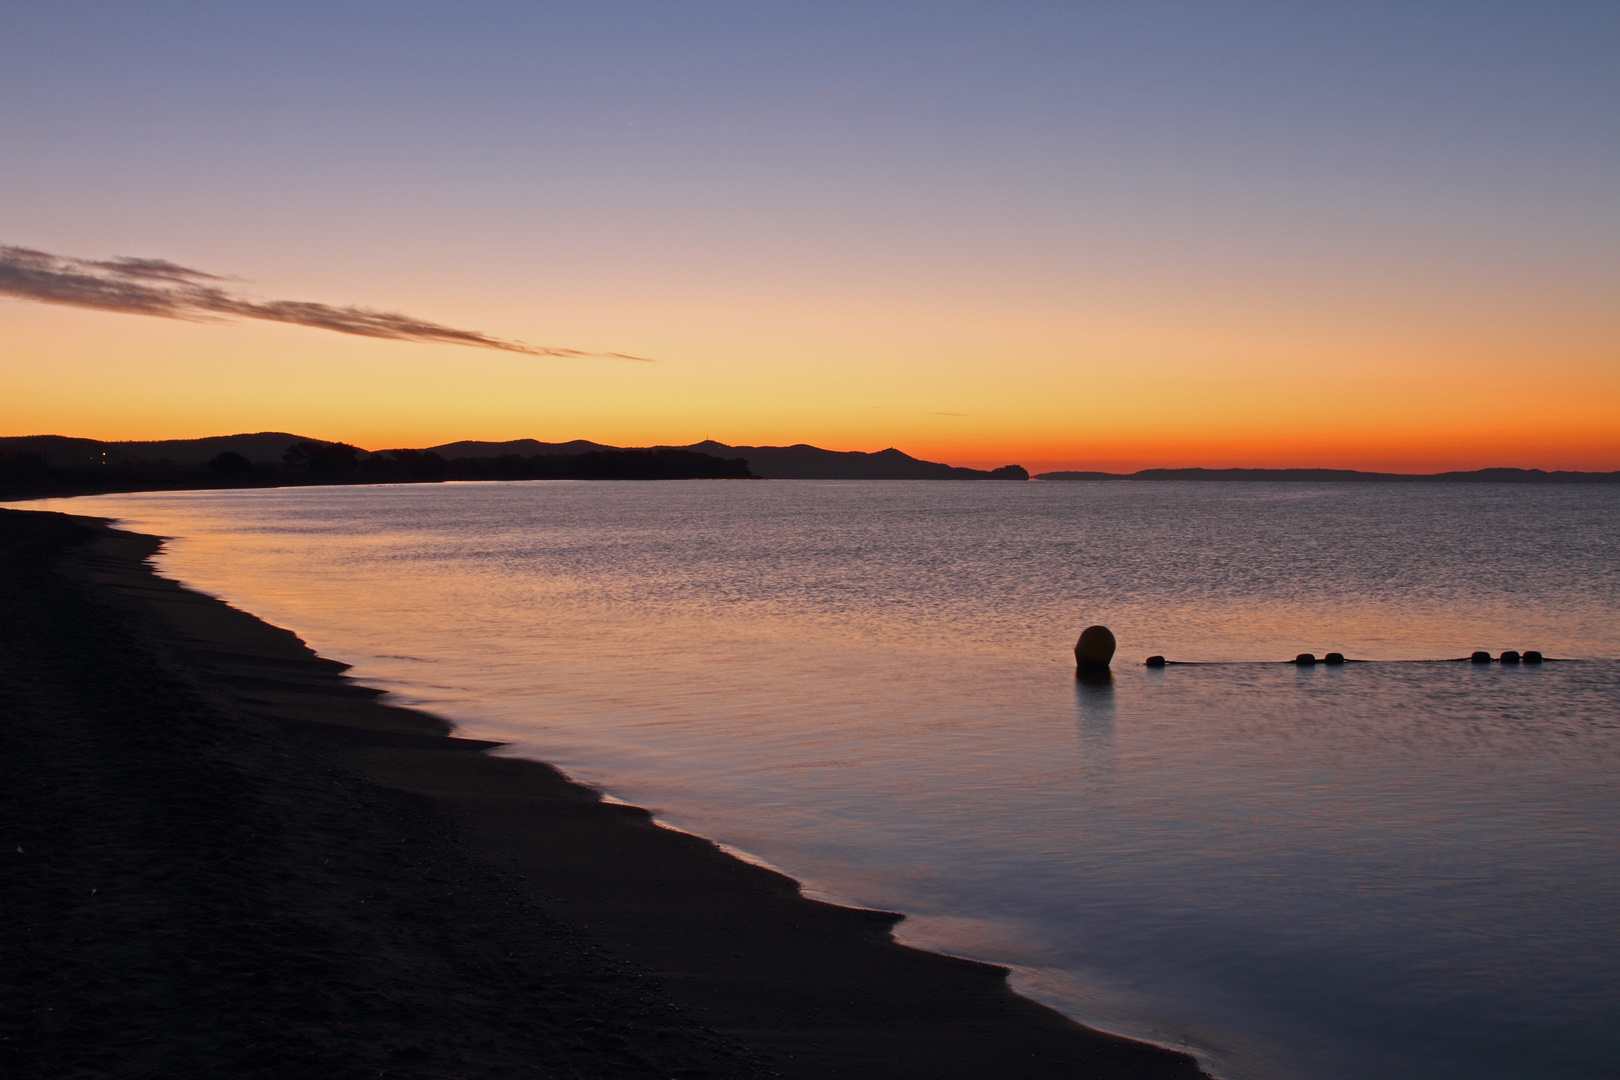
(1066, 235)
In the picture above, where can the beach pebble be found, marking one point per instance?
(1095, 647)
(1305, 659)
(1481, 657)
(1155, 661)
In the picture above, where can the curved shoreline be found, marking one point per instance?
(751, 977)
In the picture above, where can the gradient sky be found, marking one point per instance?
(1066, 235)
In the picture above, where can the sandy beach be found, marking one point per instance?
(225, 857)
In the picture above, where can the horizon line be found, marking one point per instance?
(1098, 473)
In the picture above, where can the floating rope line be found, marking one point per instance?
(1509, 658)
(1095, 649)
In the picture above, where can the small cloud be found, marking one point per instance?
(169, 290)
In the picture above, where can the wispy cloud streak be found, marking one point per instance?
(166, 289)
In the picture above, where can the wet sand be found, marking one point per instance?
(224, 857)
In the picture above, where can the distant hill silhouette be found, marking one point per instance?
(1335, 476)
(803, 462)
(798, 462)
(34, 466)
(51, 465)
(266, 449)
(62, 452)
(660, 463)
(520, 447)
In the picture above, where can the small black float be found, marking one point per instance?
(1305, 659)
(1333, 658)
(1510, 657)
(1532, 657)
(1155, 661)
(1480, 656)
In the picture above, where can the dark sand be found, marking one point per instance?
(224, 858)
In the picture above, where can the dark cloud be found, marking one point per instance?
(160, 287)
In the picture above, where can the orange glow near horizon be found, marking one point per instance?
(1095, 397)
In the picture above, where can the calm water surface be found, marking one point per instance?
(1381, 870)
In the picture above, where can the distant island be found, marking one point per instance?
(1339, 476)
(39, 466)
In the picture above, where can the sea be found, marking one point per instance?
(1407, 866)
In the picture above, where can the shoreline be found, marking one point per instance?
(645, 950)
